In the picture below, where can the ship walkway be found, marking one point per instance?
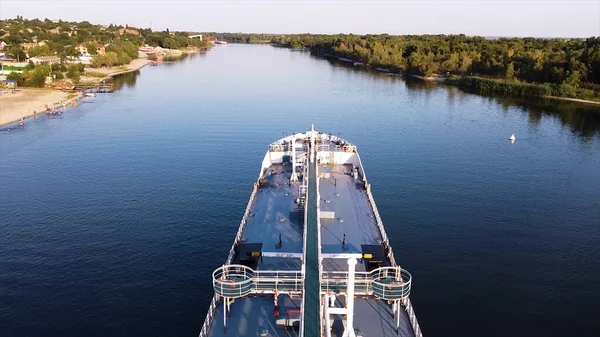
(311, 308)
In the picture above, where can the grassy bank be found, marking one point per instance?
(518, 88)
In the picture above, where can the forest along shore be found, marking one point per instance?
(533, 67)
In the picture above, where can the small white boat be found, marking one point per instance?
(90, 94)
(512, 137)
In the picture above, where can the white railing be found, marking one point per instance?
(412, 318)
(282, 281)
(238, 236)
(385, 282)
(323, 148)
(304, 180)
(212, 310)
(336, 281)
(409, 308)
(384, 236)
(234, 280)
(213, 305)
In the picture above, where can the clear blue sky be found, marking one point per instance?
(546, 18)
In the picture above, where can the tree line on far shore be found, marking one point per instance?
(559, 67)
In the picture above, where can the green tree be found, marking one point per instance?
(452, 63)
(37, 76)
(573, 78)
(29, 65)
(510, 71)
(14, 76)
(91, 48)
(17, 52)
(73, 72)
(43, 50)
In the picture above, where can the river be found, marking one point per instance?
(114, 214)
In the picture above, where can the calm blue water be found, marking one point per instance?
(113, 216)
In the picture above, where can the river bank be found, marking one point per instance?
(486, 85)
(98, 75)
(28, 102)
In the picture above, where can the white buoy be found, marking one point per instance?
(512, 137)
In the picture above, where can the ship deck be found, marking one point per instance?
(348, 199)
(273, 215)
(352, 216)
(272, 239)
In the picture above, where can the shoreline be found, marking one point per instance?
(108, 74)
(47, 98)
(442, 80)
(31, 102)
(568, 99)
(136, 67)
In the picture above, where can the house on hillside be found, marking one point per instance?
(45, 60)
(3, 45)
(124, 31)
(54, 30)
(5, 59)
(103, 27)
(82, 48)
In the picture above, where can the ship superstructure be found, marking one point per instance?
(311, 257)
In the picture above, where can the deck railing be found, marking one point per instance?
(212, 310)
(234, 280)
(409, 308)
(305, 185)
(390, 283)
(413, 318)
(242, 226)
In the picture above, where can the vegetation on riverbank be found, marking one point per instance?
(60, 38)
(519, 88)
(35, 76)
(519, 66)
(242, 37)
(72, 43)
(527, 66)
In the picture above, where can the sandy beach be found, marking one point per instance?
(23, 103)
